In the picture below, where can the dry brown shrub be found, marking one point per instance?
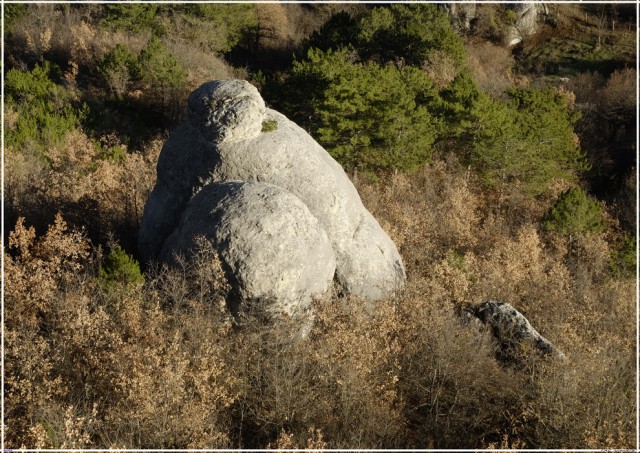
(441, 67)
(201, 64)
(304, 19)
(437, 214)
(111, 369)
(283, 26)
(101, 194)
(619, 96)
(35, 273)
(491, 66)
(586, 85)
(134, 41)
(63, 31)
(564, 287)
(455, 392)
(273, 26)
(342, 377)
(614, 98)
(32, 33)
(164, 365)
(285, 441)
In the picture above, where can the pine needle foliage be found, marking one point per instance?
(120, 268)
(575, 212)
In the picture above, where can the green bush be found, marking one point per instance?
(119, 67)
(132, 17)
(120, 268)
(398, 33)
(117, 153)
(409, 33)
(340, 31)
(45, 109)
(159, 67)
(624, 259)
(456, 104)
(218, 27)
(575, 213)
(13, 12)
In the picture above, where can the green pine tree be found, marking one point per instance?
(132, 17)
(120, 268)
(370, 117)
(575, 213)
(119, 67)
(408, 32)
(160, 69)
(529, 139)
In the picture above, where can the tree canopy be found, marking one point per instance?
(369, 116)
(529, 139)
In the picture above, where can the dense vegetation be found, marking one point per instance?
(500, 173)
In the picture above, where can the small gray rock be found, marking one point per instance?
(274, 250)
(514, 333)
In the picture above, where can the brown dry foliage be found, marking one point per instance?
(491, 66)
(103, 195)
(65, 32)
(164, 365)
(114, 369)
(613, 95)
(564, 287)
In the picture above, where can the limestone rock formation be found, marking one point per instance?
(224, 140)
(273, 248)
(461, 14)
(526, 24)
(513, 332)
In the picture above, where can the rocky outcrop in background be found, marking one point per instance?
(284, 217)
(526, 22)
(461, 14)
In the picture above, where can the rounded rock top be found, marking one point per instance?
(227, 110)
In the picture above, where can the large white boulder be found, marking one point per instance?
(224, 140)
(274, 250)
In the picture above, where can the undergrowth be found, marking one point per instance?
(163, 364)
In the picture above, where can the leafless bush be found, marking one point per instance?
(202, 65)
(59, 30)
(618, 97)
(586, 86)
(491, 66)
